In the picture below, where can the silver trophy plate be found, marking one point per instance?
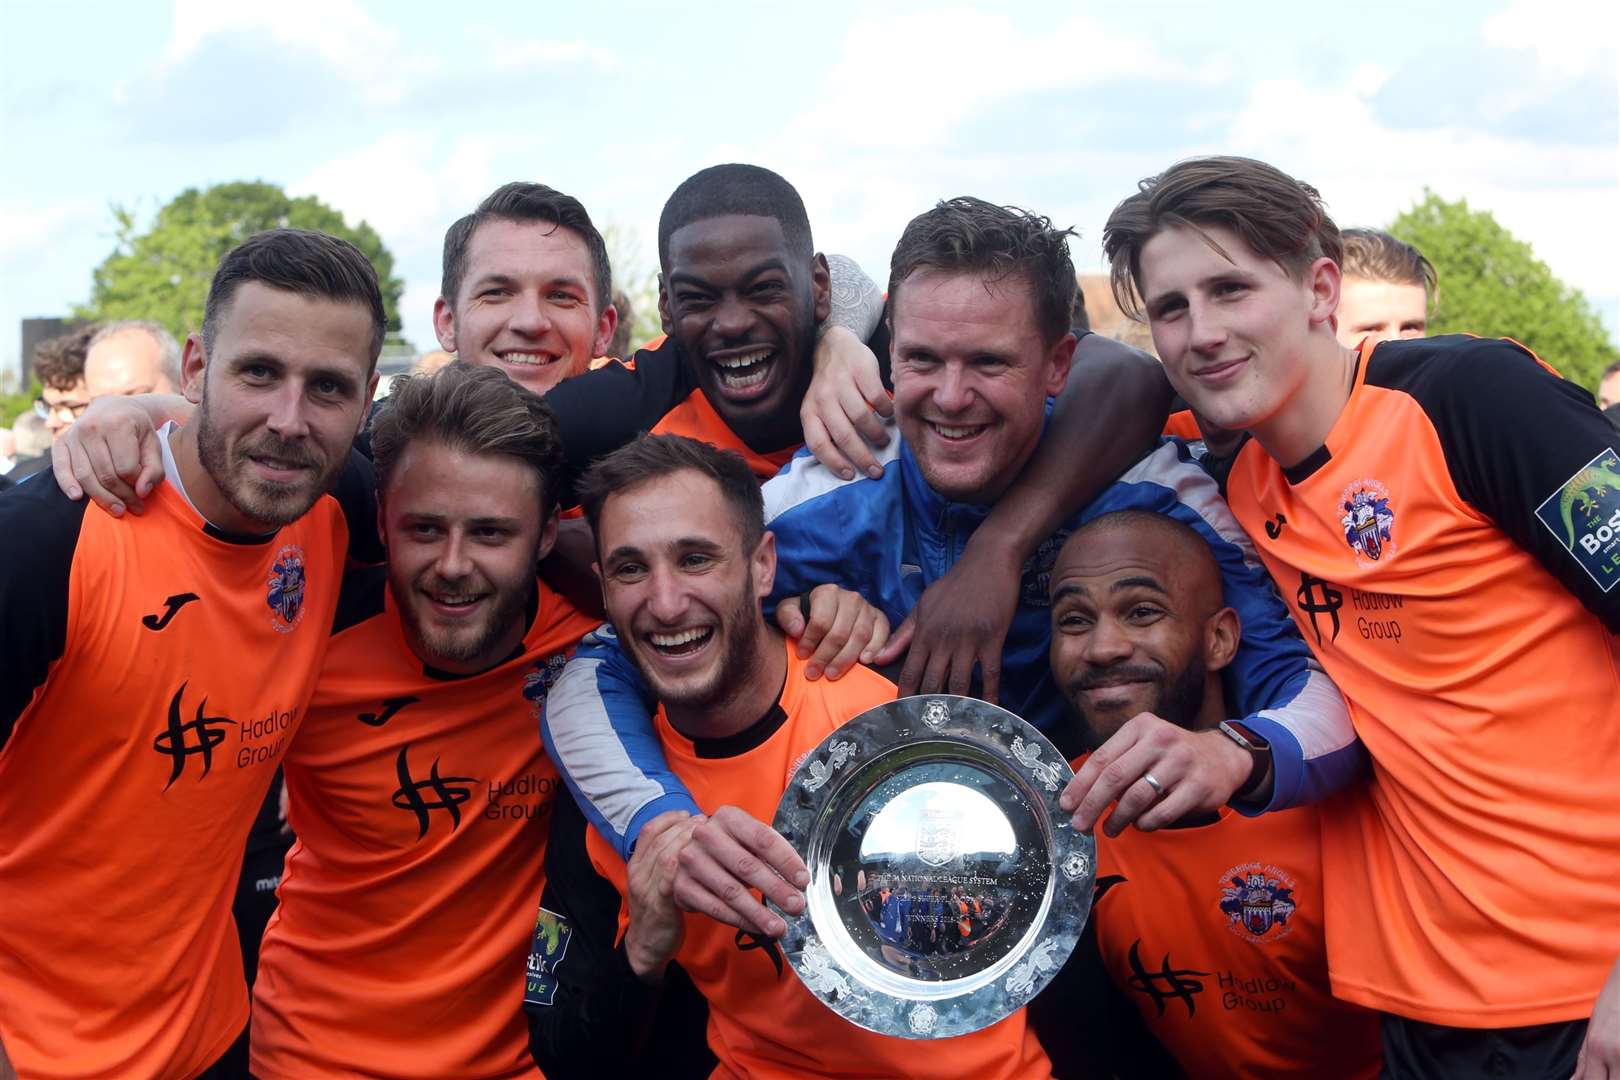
(947, 886)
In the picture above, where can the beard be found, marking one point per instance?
(463, 645)
(1177, 697)
(262, 500)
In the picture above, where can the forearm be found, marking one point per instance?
(597, 728)
(856, 303)
(1109, 414)
(162, 408)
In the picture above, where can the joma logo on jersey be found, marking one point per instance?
(1584, 513)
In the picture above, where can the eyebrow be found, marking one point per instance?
(501, 277)
(1070, 589)
(686, 277)
(486, 521)
(1138, 582)
(1234, 274)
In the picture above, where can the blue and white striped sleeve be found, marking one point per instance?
(1274, 682)
(598, 729)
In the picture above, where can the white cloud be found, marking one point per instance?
(25, 230)
(1567, 36)
(507, 55)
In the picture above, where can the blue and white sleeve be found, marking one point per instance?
(1274, 682)
(597, 726)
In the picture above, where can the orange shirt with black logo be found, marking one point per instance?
(1452, 554)
(1214, 933)
(156, 670)
(763, 1022)
(421, 801)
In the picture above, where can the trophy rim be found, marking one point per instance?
(837, 775)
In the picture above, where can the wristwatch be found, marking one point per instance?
(1259, 749)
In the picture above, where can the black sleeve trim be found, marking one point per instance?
(1516, 438)
(39, 533)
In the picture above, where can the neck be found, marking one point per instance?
(744, 704)
(1213, 708)
(200, 487)
(1297, 429)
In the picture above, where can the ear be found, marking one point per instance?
(664, 317)
(1325, 280)
(821, 287)
(601, 583)
(1222, 632)
(382, 523)
(606, 323)
(1059, 358)
(365, 404)
(193, 368)
(548, 536)
(764, 564)
(444, 324)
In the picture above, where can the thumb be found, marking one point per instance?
(897, 644)
(790, 616)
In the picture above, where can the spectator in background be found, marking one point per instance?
(1386, 291)
(620, 345)
(1608, 394)
(133, 356)
(59, 363)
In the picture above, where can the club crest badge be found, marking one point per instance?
(285, 589)
(1258, 901)
(1368, 518)
(539, 680)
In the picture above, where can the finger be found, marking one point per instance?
(766, 845)
(851, 443)
(837, 638)
(62, 469)
(1179, 800)
(899, 641)
(657, 826)
(790, 617)
(822, 445)
(935, 671)
(702, 885)
(990, 677)
(151, 465)
(1137, 795)
(124, 451)
(1105, 776)
(877, 637)
(911, 672)
(960, 679)
(820, 609)
(862, 627)
(103, 463)
(870, 383)
(90, 483)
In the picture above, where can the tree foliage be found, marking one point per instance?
(1492, 284)
(633, 278)
(163, 273)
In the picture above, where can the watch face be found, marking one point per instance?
(1252, 741)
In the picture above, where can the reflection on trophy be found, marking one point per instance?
(947, 887)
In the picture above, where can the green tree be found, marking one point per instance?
(162, 273)
(1492, 284)
(633, 278)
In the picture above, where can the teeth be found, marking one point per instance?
(958, 432)
(454, 600)
(742, 360)
(669, 641)
(534, 359)
(743, 382)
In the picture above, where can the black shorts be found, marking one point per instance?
(232, 1064)
(1414, 1050)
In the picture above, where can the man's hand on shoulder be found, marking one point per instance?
(843, 409)
(112, 452)
(961, 621)
(1158, 773)
(1600, 1052)
(731, 855)
(656, 929)
(834, 627)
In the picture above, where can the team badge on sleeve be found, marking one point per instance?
(1368, 518)
(1258, 901)
(285, 588)
(551, 937)
(1584, 513)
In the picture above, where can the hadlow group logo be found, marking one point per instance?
(284, 590)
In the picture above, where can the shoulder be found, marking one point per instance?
(39, 526)
(805, 484)
(1458, 371)
(1167, 479)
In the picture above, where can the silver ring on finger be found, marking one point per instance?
(1153, 782)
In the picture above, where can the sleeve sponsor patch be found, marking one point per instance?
(1584, 514)
(546, 952)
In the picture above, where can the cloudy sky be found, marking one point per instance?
(406, 116)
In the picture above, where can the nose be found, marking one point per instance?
(732, 318)
(666, 600)
(529, 315)
(453, 562)
(287, 419)
(952, 394)
(1106, 644)
(1207, 331)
